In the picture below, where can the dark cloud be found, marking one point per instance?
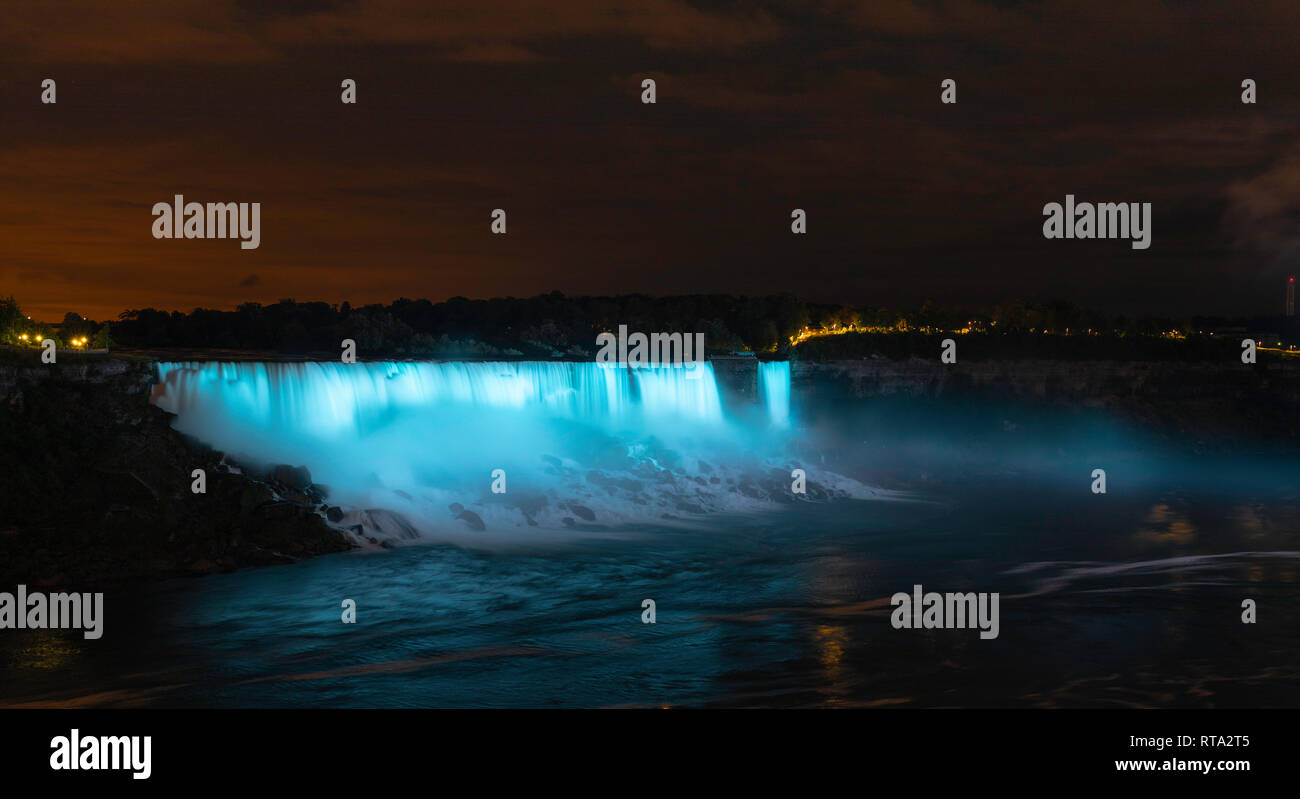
(1265, 212)
(831, 106)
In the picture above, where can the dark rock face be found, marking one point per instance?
(387, 524)
(472, 519)
(97, 486)
(583, 512)
(296, 478)
(1223, 401)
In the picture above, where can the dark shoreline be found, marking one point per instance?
(98, 487)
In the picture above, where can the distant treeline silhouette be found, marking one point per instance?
(555, 326)
(547, 326)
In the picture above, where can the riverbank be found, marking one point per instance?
(97, 486)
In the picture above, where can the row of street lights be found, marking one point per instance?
(80, 342)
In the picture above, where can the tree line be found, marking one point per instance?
(556, 326)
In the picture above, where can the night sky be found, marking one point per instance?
(762, 108)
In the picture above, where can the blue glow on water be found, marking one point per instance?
(414, 439)
(774, 384)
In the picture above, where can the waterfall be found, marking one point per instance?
(774, 385)
(578, 443)
(348, 399)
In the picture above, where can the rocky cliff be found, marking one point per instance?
(1228, 400)
(97, 486)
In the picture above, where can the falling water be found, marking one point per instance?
(351, 399)
(578, 443)
(774, 381)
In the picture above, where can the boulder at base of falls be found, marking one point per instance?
(472, 519)
(583, 512)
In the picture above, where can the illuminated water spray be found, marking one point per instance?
(581, 443)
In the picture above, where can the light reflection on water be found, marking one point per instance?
(1129, 601)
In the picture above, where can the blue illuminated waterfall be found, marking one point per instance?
(407, 448)
(351, 399)
(774, 383)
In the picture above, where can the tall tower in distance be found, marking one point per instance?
(1290, 296)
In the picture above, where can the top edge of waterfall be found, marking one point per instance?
(227, 359)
